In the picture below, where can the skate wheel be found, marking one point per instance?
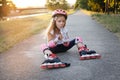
(98, 57)
(56, 66)
(47, 67)
(43, 67)
(62, 65)
(87, 58)
(50, 66)
(84, 58)
(81, 58)
(93, 57)
(90, 57)
(53, 66)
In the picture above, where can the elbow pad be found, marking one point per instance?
(51, 44)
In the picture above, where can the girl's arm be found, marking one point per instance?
(53, 37)
(50, 37)
(64, 33)
(52, 40)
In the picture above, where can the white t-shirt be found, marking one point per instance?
(64, 33)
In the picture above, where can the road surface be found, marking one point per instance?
(22, 62)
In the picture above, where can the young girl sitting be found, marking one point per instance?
(58, 41)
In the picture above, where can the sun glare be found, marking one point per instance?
(29, 3)
(34, 3)
(71, 1)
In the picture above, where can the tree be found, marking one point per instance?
(57, 4)
(99, 5)
(6, 7)
(81, 4)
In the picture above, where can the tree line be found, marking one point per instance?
(55, 4)
(106, 6)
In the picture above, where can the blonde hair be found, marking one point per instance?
(52, 28)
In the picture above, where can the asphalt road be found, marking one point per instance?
(22, 62)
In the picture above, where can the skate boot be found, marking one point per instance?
(93, 55)
(86, 54)
(53, 62)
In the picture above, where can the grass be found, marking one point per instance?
(16, 30)
(111, 22)
(34, 11)
(88, 12)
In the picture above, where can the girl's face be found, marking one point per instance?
(60, 22)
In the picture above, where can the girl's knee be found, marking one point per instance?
(78, 40)
(43, 47)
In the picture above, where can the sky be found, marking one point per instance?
(34, 3)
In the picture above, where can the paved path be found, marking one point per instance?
(25, 16)
(23, 60)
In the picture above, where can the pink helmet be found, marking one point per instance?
(59, 11)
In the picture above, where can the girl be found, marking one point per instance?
(58, 41)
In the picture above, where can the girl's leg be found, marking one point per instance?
(52, 61)
(62, 48)
(79, 43)
(84, 52)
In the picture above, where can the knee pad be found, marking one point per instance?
(78, 39)
(43, 47)
(51, 44)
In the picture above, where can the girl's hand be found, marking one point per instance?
(60, 37)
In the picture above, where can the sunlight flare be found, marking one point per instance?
(30, 3)
(34, 3)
